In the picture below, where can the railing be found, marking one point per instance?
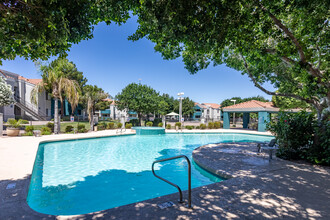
(176, 186)
(31, 107)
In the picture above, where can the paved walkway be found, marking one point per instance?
(258, 188)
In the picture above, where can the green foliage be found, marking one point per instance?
(102, 105)
(29, 128)
(160, 124)
(168, 126)
(24, 122)
(41, 29)
(134, 122)
(101, 126)
(288, 103)
(227, 102)
(293, 132)
(81, 128)
(12, 123)
(202, 126)
(68, 129)
(29, 133)
(284, 43)
(119, 125)
(50, 126)
(197, 127)
(187, 106)
(6, 94)
(217, 125)
(128, 126)
(190, 127)
(139, 98)
(178, 124)
(210, 125)
(111, 125)
(46, 131)
(149, 124)
(320, 152)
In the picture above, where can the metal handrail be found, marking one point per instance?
(30, 106)
(176, 186)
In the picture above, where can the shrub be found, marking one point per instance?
(156, 121)
(217, 124)
(29, 133)
(119, 125)
(68, 129)
(101, 126)
(160, 124)
(81, 128)
(178, 124)
(168, 126)
(134, 122)
(29, 128)
(13, 123)
(24, 122)
(189, 127)
(46, 131)
(50, 126)
(149, 124)
(202, 126)
(110, 125)
(293, 132)
(128, 126)
(197, 127)
(210, 125)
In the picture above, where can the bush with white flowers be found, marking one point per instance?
(6, 94)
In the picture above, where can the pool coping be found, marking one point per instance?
(36, 141)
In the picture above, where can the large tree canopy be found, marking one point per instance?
(39, 29)
(140, 98)
(283, 42)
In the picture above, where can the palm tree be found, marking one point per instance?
(54, 82)
(92, 95)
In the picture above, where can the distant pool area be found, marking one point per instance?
(88, 175)
(149, 130)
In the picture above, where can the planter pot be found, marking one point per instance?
(12, 132)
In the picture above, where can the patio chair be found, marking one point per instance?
(271, 147)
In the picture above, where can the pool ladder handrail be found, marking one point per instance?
(176, 186)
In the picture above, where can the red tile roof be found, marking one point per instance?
(33, 81)
(212, 105)
(251, 104)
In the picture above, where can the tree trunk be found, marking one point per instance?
(140, 118)
(56, 129)
(62, 109)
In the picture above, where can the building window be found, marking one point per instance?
(47, 111)
(218, 111)
(46, 94)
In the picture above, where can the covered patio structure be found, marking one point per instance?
(264, 110)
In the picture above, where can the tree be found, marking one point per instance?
(281, 42)
(102, 105)
(54, 81)
(228, 102)
(69, 71)
(40, 29)
(289, 103)
(139, 98)
(92, 95)
(6, 93)
(187, 106)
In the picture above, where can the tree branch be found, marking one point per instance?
(287, 32)
(310, 101)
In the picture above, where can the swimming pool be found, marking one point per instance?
(88, 175)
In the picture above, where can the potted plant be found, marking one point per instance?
(13, 127)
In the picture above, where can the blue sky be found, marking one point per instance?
(110, 61)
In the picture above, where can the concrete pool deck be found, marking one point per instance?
(258, 188)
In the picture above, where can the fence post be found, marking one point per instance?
(1, 124)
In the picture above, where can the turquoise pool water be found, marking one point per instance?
(83, 176)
